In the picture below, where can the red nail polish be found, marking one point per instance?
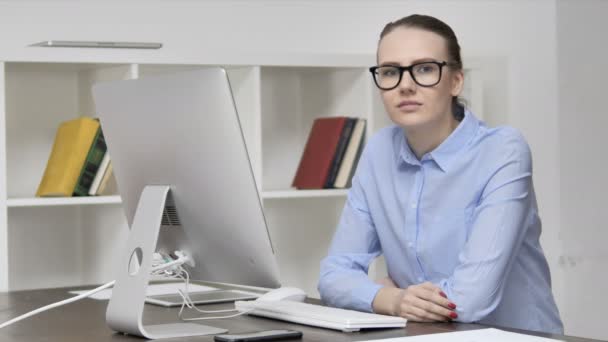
(453, 315)
(452, 306)
(443, 294)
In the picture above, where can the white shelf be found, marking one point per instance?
(277, 194)
(62, 201)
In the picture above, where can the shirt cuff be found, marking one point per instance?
(363, 296)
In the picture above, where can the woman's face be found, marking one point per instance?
(410, 105)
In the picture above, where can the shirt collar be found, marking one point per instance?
(405, 153)
(444, 153)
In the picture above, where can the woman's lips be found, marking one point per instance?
(409, 106)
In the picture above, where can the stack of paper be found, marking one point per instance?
(481, 335)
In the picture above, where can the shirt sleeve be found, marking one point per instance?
(343, 280)
(498, 228)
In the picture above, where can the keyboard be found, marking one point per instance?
(318, 315)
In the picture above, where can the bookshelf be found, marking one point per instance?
(41, 202)
(52, 242)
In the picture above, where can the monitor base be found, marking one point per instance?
(180, 330)
(126, 306)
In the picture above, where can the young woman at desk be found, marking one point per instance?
(448, 201)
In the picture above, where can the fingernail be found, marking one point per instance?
(452, 306)
(453, 315)
(443, 294)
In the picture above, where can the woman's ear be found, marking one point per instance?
(457, 82)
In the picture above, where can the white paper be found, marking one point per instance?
(481, 335)
(152, 290)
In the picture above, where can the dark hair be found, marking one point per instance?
(432, 24)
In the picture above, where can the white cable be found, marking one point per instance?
(54, 305)
(179, 262)
(209, 318)
(187, 301)
(190, 304)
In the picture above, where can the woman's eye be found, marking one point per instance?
(390, 72)
(425, 69)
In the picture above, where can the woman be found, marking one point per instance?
(448, 201)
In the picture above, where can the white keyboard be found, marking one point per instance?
(319, 316)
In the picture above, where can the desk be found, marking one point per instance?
(84, 320)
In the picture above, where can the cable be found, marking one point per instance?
(180, 261)
(54, 305)
(187, 301)
(209, 318)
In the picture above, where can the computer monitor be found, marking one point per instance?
(179, 157)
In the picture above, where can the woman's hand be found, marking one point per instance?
(418, 303)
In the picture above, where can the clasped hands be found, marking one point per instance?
(418, 303)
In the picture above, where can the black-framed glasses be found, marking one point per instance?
(425, 74)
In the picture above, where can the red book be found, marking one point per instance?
(319, 152)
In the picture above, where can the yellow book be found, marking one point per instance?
(72, 143)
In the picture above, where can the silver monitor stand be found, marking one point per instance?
(125, 310)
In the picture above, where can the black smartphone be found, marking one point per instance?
(266, 335)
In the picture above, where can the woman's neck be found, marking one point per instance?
(424, 139)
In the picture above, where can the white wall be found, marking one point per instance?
(514, 42)
(583, 119)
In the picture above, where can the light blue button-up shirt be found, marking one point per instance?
(463, 217)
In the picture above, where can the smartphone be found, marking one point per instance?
(266, 335)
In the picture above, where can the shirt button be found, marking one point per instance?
(410, 245)
(420, 279)
(414, 205)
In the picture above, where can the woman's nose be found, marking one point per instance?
(407, 84)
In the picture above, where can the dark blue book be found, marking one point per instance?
(339, 155)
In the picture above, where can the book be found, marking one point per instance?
(91, 165)
(316, 160)
(340, 150)
(68, 154)
(351, 156)
(108, 182)
(100, 173)
(353, 169)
